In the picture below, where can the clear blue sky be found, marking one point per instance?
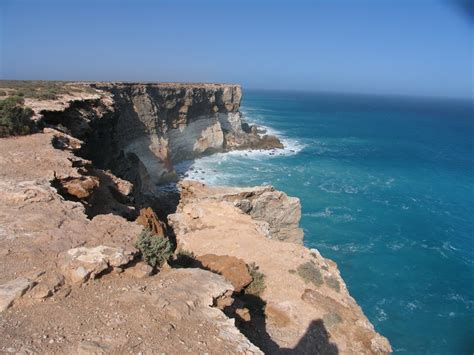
(411, 47)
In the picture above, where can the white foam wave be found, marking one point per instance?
(207, 169)
(338, 214)
(381, 314)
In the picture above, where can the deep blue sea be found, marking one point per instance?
(387, 190)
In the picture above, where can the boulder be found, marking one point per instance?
(81, 264)
(48, 285)
(270, 142)
(232, 268)
(140, 270)
(80, 187)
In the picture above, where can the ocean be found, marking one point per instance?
(387, 190)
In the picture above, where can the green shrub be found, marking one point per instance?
(310, 273)
(333, 282)
(257, 286)
(15, 119)
(3, 93)
(155, 250)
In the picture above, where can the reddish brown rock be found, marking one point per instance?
(149, 220)
(80, 187)
(232, 268)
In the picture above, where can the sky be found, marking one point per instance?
(403, 47)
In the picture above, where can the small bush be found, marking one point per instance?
(3, 93)
(333, 282)
(257, 286)
(331, 319)
(291, 271)
(155, 250)
(310, 273)
(15, 119)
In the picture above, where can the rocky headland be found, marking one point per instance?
(76, 195)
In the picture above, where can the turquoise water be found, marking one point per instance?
(386, 186)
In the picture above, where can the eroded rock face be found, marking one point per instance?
(158, 125)
(279, 214)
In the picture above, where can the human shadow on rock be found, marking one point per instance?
(314, 341)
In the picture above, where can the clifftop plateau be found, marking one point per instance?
(76, 196)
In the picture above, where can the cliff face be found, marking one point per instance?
(62, 214)
(158, 125)
(304, 306)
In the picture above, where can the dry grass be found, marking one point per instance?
(309, 272)
(333, 283)
(257, 286)
(331, 319)
(41, 89)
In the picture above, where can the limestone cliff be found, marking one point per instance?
(158, 125)
(69, 219)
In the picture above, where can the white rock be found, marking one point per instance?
(12, 290)
(80, 264)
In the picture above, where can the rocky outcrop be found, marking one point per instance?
(140, 131)
(80, 264)
(158, 125)
(277, 213)
(306, 310)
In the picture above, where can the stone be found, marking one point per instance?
(232, 268)
(48, 286)
(13, 290)
(280, 212)
(244, 204)
(79, 187)
(149, 220)
(81, 264)
(270, 142)
(63, 141)
(140, 270)
(244, 314)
